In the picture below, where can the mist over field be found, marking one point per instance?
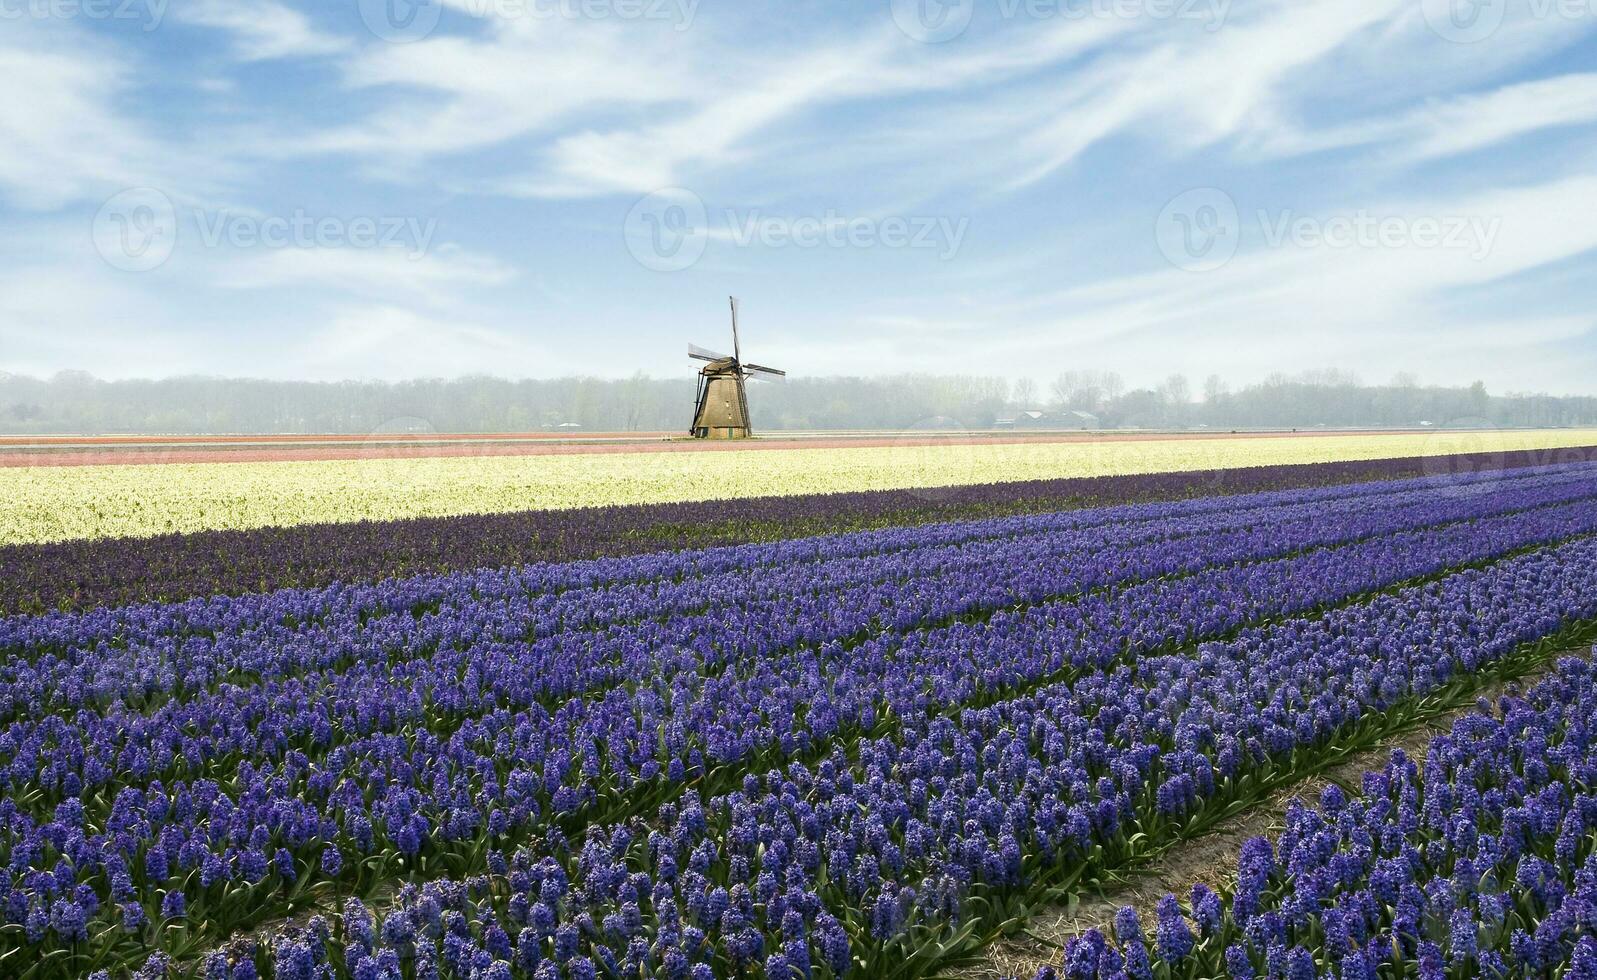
(1094, 400)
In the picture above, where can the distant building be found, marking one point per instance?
(1038, 419)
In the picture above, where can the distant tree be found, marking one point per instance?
(1479, 400)
(1177, 395)
(1141, 408)
(1025, 390)
(1087, 391)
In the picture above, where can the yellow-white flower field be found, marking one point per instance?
(51, 503)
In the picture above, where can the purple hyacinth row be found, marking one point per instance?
(1478, 863)
(548, 584)
(873, 855)
(793, 701)
(408, 788)
(88, 574)
(265, 721)
(582, 634)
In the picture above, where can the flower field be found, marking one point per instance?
(866, 753)
(1484, 849)
(52, 503)
(116, 571)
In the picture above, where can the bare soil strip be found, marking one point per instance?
(117, 451)
(1212, 858)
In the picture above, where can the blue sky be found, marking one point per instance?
(403, 188)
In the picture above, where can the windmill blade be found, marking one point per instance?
(761, 373)
(704, 353)
(737, 354)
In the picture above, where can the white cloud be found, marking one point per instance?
(433, 276)
(1188, 89)
(66, 138)
(61, 307)
(759, 95)
(1384, 309)
(621, 107)
(262, 29)
(1034, 96)
(1447, 127)
(450, 94)
(392, 342)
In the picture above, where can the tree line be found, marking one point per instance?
(75, 402)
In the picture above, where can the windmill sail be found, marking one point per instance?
(763, 373)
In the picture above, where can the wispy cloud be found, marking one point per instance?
(451, 94)
(392, 343)
(1392, 308)
(263, 30)
(68, 136)
(1446, 127)
(434, 276)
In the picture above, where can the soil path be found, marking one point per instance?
(45, 451)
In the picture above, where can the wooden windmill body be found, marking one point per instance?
(721, 407)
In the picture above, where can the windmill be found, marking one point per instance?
(721, 408)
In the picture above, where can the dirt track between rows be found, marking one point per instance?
(1211, 859)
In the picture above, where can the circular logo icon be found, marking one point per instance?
(932, 21)
(401, 21)
(1199, 229)
(1464, 21)
(668, 230)
(136, 230)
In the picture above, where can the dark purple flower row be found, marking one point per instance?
(877, 856)
(87, 574)
(1480, 863)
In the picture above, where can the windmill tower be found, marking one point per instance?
(721, 408)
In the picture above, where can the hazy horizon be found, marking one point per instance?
(1041, 384)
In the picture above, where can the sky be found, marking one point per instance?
(532, 188)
